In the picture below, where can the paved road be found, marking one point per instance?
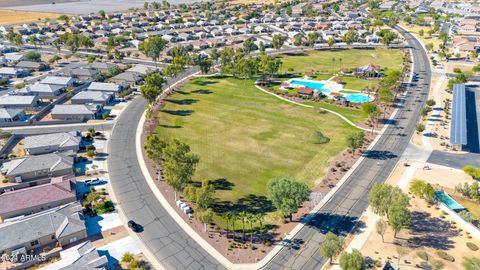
(454, 160)
(341, 213)
(173, 248)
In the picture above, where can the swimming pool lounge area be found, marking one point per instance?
(330, 89)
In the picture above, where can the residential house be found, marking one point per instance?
(100, 66)
(13, 57)
(81, 256)
(75, 112)
(60, 81)
(130, 78)
(11, 114)
(94, 97)
(60, 226)
(55, 142)
(35, 199)
(30, 65)
(42, 90)
(10, 72)
(83, 73)
(143, 69)
(19, 102)
(31, 168)
(105, 87)
(465, 45)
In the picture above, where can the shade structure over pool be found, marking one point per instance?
(443, 197)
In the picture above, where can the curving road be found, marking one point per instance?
(174, 249)
(164, 238)
(341, 213)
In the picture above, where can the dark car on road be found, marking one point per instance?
(134, 226)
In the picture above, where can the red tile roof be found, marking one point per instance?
(38, 195)
(305, 91)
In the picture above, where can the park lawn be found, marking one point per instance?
(354, 115)
(245, 137)
(354, 83)
(323, 61)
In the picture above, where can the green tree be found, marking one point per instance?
(214, 54)
(355, 139)
(381, 228)
(429, 46)
(91, 58)
(179, 165)
(287, 195)
(63, 18)
(153, 47)
(331, 41)
(422, 189)
(398, 217)
(278, 41)
(331, 246)
(32, 56)
(261, 47)
(150, 92)
(205, 216)
(421, 32)
(350, 37)
(312, 38)
(248, 45)
(382, 196)
(352, 261)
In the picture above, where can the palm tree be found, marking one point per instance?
(227, 217)
(260, 217)
(242, 216)
(233, 219)
(250, 219)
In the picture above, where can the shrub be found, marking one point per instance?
(420, 128)
(422, 255)
(444, 255)
(474, 172)
(90, 153)
(431, 102)
(457, 70)
(437, 265)
(472, 246)
(91, 147)
(127, 257)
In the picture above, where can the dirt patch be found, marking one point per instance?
(13, 17)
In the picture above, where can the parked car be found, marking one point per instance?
(134, 226)
(93, 182)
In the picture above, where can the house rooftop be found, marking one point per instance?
(51, 162)
(100, 86)
(57, 80)
(38, 195)
(17, 100)
(73, 109)
(56, 139)
(9, 113)
(82, 256)
(61, 221)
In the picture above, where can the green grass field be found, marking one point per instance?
(322, 61)
(245, 137)
(354, 115)
(354, 83)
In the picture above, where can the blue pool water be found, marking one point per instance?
(448, 201)
(311, 84)
(358, 98)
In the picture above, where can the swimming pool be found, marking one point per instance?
(358, 98)
(448, 201)
(311, 84)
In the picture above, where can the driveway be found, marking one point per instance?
(115, 250)
(98, 224)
